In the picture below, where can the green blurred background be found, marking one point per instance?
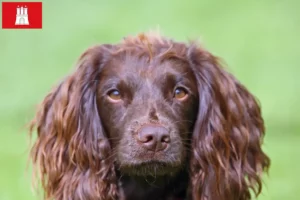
(258, 39)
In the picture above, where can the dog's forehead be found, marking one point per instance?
(132, 67)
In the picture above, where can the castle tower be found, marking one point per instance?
(22, 16)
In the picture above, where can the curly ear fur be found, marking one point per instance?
(71, 150)
(227, 159)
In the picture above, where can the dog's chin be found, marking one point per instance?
(150, 168)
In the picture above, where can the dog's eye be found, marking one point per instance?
(114, 95)
(180, 93)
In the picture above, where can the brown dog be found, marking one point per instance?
(149, 118)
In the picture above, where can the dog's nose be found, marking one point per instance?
(154, 137)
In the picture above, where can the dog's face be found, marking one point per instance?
(148, 112)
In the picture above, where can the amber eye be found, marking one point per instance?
(180, 93)
(114, 95)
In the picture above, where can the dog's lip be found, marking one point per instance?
(151, 162)
(141, 156)
(162, 162)
(147, 164)
(151, 156)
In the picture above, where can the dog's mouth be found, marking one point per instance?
(150, 168)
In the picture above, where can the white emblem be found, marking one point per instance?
(22, 16)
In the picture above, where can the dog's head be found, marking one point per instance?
(149, 106)
(147, 101)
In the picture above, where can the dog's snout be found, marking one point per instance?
(153, 137)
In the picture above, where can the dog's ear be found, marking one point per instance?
(227, 158)
(71, 153)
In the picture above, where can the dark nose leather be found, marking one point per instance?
(153, 137)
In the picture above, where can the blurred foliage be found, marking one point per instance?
(259, 40)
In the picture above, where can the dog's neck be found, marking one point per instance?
(158, 188)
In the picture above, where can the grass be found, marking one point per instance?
(257, 39)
